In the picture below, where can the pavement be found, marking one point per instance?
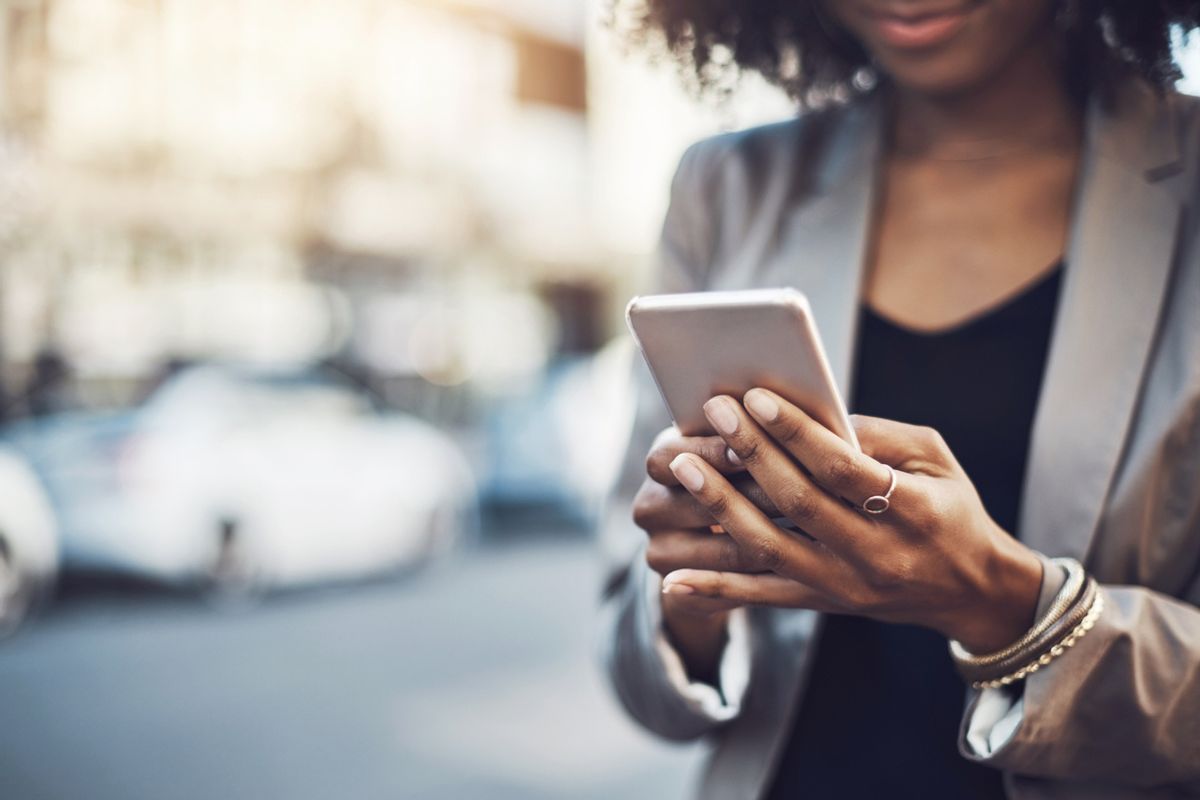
(475, 678)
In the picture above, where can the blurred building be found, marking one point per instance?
(283, 180)
(435, 193)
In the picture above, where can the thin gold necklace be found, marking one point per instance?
(1016, 148)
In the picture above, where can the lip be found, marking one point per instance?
(918, 30)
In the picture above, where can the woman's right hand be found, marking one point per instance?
(683, 535)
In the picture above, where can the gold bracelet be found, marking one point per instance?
(1065, 598)
(1086, 624)
(1053, 635)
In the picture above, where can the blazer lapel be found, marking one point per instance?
(826, 236)
(821, 250)
(1118, 265)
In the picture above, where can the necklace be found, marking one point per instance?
(969, 152)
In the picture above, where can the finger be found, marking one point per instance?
(756, 494)
(685, 599)
(794, 493)
(657, 507)
(670, 443)
(670, 550)
(737, 588)
(832, 462)
(766, 545)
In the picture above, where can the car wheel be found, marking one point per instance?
(234, 580)
(16, 591)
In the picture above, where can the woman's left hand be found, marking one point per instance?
(933, 558)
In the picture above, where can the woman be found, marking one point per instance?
(996, 216)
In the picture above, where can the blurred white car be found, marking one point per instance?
(28, 542)
(561, 446)
(246, 481)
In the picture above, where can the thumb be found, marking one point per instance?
(760, 589)
(910, 448)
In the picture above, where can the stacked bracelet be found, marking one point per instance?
(1052, 637)
(1086, 624)
(1071, 615)
(1063, 601)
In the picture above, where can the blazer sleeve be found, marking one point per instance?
(1122, 706)
(642, 668)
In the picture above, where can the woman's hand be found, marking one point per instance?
(934, 558)
(681, 535)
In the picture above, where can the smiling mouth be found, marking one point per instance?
(906, 29)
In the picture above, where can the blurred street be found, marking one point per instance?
(472, 679)
(314, 383)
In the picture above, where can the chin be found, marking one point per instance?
(947, 76)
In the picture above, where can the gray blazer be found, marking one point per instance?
(1114, 471)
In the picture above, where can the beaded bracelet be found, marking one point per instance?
(1086, 624)
(1066, 597)
(1053, 635)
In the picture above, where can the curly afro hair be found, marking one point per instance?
(794, 46)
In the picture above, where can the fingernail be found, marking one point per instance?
(761, 405)
(719, 411)
(732, 457)
(687, 473)
(677, 588)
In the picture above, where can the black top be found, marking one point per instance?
(881, 711)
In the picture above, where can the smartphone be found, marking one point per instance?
(703, 344)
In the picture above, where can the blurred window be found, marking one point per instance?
(550, 72)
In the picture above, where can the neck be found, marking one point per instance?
(1026, 106)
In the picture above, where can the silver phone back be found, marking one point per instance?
(703, 344)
